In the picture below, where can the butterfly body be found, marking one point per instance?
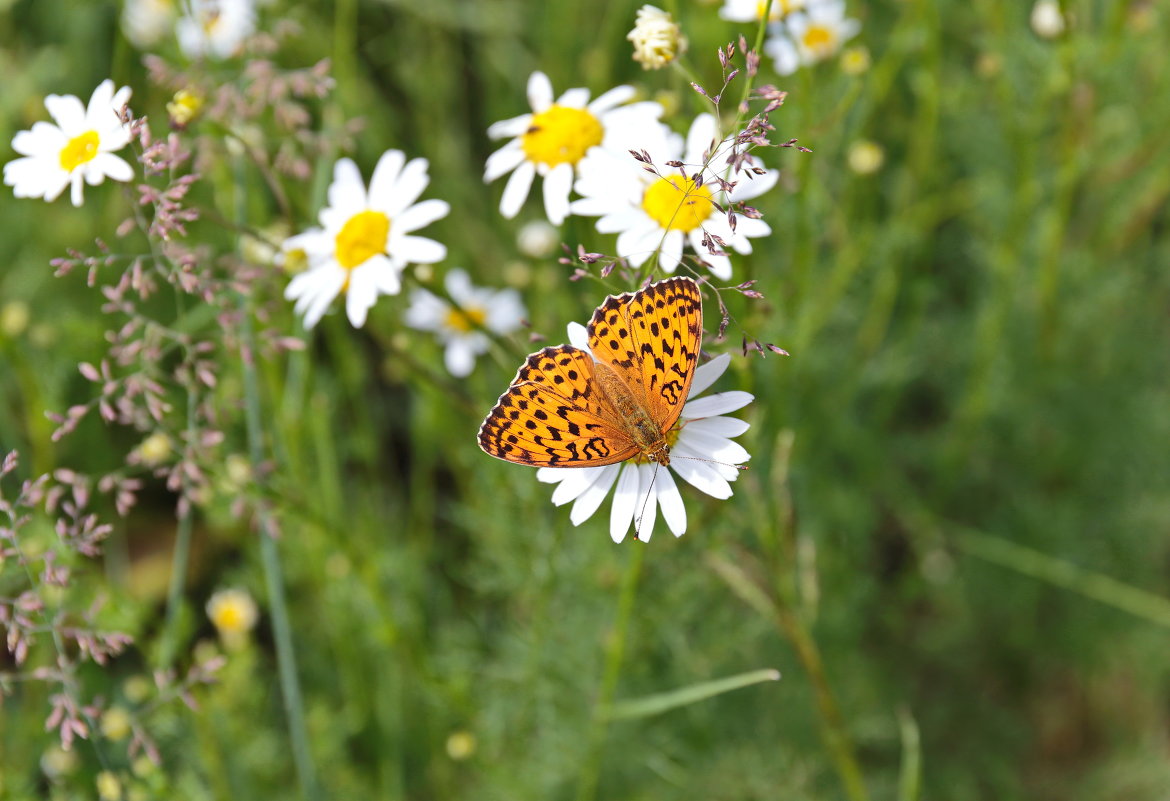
(568, 407)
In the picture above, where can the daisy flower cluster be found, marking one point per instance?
(800, 32)
(215, 29)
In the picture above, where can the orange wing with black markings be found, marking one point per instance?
(651, 339)
(554, 416)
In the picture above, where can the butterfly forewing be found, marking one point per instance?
(553, 415)
(651, 338)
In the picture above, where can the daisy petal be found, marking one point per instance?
(670, 499)
(540, 92)
(719, 403)
(700, 475)
(625, 499)
(707, 374)
(611, 99)
(503, 161)
(574, 98)
(719, 426)
(385, 176)
(67, 112)
(510, 127)
(420, 215)
(516, 190)
(361, 294)
(557, 185)
(419, 250)
(591, 498)
(411, 182)
(575, 481)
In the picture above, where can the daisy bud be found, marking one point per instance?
(656, 37)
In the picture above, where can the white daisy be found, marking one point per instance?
(652, 214)
(701, 453)
(753, 10)
(551, 141)
(458, 326)
(813, 35)
(364, 242)
(78, 150)
(656, 37)
(146, 22)
(215, 28)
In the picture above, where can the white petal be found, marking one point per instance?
(625, 499)
(700, 475)
(418, 250)
(670, 499)
(111, 166)
(707, 374)
(719, 403)
(45, 139)
(670, 256)
(647, 509)
(459, 358)
(554, 475)
(385, 273)
(503, 161)
(720, 265)
(77, 183)
(747, 187)
(700, 138)
(411, 183)
(347, 193)
(574, 482)
(574, 98)
(614, 97)
(719, 426)
(361, 294)
(426, 312)
(578, 336)
(510, 127)
(420, 215)
(716, 448)
(540, 92)
(591, 498)
(505, 312)
(385, 175)
(516, 190)
(557, 185)
(67, 112)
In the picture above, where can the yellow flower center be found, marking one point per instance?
(561, 135)
(363, 235)
(819, 39)
(465, 320)
(676, 204)
(78, 150)
(230, 617)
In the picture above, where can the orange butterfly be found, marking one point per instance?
(568, 407)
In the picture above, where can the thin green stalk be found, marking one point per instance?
(290, 688)
(180, 557)
(587, 788)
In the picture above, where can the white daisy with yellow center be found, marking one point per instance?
(364, 243)
(461, 325)
(234, 613)
(753, 10)
(702, 453)
(813, 35)
(215, 28)
(663, 214)
(146, 22)
(78, 150)
(552, 140)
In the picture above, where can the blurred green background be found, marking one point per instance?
(960, 488)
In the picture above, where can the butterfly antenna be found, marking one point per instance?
(712, 461)
(646, 502)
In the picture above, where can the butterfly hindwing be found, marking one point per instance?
(651, 338)
(553, 416)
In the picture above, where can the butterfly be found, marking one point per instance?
(569, 407)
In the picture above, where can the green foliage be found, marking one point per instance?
(951, 541)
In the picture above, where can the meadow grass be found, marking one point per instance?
(951, 541)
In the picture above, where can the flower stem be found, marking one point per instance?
(180, 556)
(290, 688)
(761, 30)
(615, 650)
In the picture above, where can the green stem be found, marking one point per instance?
(615, 650)
(761, 31)
(290, 688)
(180, 557)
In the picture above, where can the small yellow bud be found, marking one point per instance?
(185, 107)
(115, 723)
(855, 60)
(656, 37)
(155, 449)
(14, 318)
(866, 157)
(108, 786)
(461, 745)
